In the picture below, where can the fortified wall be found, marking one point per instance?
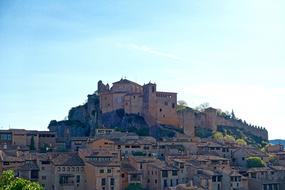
(190, 119)
(160, 108)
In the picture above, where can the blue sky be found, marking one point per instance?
(225, 52)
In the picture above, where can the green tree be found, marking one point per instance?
(255, 162)
(229, 138)
(218, 136)
(241, 142)
(134, 186)
(9, 182)
(181, 105)
(32, 144)
(273, 159)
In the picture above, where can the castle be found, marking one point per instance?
(159, 108)
(156, 107)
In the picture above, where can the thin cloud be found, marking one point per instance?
(149, 50)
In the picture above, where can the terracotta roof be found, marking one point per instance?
(106, 163)
(68, 159)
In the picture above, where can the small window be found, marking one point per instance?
(160, 110)
(112, 181)
(101, 171)
(44, 177)
(58, 169)
(153, 88)
(103, 181)
(109, 171)
(173, 105)
(78, 179)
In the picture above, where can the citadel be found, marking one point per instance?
(159, 108)
(132, 137)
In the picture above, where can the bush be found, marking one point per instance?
(9, 182)
(241, 142)
(255, 162)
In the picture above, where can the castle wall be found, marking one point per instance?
(133, 104)
(111, 101)
(166, 108)
(186, 120)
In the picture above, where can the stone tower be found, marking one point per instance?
(150, 103)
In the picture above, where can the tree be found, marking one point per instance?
(9, 182)
(241, 142)
(273, 159)
(255, 162)
(233, 116)
(134, 186)
(181, 105)
(229, 138)
(218, 135)
(202, 107)
(32, 144)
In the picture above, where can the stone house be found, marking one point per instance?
(240, 155)
(68, 172)
(160, 176)
(266, 178)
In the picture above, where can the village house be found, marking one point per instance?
(266, 178)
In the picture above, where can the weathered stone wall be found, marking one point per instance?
(189, 119)
(166, 108)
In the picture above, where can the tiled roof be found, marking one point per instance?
(68, 159)
(29, 165)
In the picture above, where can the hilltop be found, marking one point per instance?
(129, 107)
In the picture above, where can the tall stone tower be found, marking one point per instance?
(150, 103)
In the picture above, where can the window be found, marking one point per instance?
(171, 183)
(102, 171)
(160, 110)
(34, 174)
(45, 162)
(44, 177)
(173, 105)
(58, 169)
(109, 171)
(43, 168)
(103, 181)
(174, 172)
(165, 183)
(63, 169)
(155, 181)
(112, 181)
(152, 88)
(77, 169)
(166, 103)
(78, 179)
(68, 169)
(164, 173)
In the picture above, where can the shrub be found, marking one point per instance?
(255, 162)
